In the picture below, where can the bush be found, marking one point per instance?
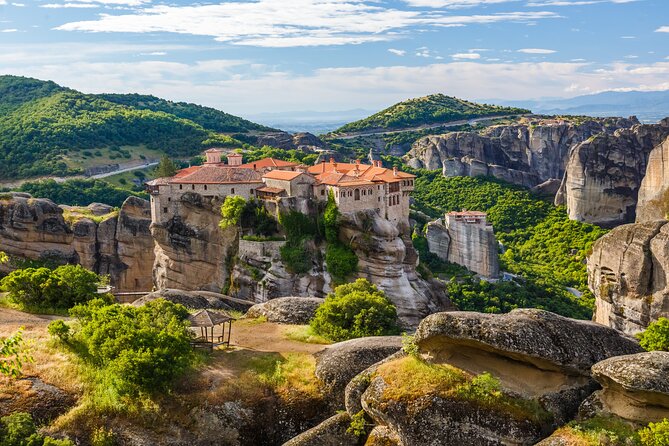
(60, 288)
(59, 329)
(296, 256)
(656, 336)
(656, 434)
(341, 260)
(143, 348)
(355, 310)
(231, 211)
(13, 355)
(18, 429)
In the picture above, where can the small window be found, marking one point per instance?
(232, 191)
(357, 194)
(322, 191)
(205, 187)
(181, 186)
(164, 210)
(168, 198)
(192, 186)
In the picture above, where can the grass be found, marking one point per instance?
(103, 156)
(7, 302)
(79, 213)
(601, 429)
(252, 321)
(304, 333)
(124, 179)
(409, 378)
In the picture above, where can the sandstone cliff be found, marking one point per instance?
(97, 237)
(653, 201)
(628, 274)
(604, 173)
(528, 153)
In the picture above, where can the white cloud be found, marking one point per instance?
(576, 2)
(9, 30)
(68, 5)
(274, 23)
(154, 53)
(628, 37)
(462, 56)
(536, 51)
(397, 52)
(453, 3)
(662, 29)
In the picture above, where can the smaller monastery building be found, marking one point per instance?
(355, 186)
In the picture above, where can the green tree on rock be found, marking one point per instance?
(166, 167)
(355, 310)
(231, 211)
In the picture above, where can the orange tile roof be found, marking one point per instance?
(216, 174)
(364, 171)
(270, 190)
(468, 214)
(287, 175)
(268, 162)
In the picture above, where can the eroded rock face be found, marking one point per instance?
(604, 173)
(635, 387)
(653, 201)
(120, 245)
(286, 141)
(627, 272)
(287, 310)
(527, 154)
(388, 259)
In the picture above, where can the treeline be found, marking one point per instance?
(79, 192)
(431, 109)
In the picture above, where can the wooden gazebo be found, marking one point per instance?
(207, 321)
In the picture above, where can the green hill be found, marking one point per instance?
(46, 129)
(433, 109)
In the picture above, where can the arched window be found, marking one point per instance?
(205, 187)
(357, 194)
(232, 191)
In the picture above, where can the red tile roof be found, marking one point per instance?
(216, 174)
(270, 190)
(268, 162)
(287, 175)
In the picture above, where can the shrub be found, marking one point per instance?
(355, 310)
(62, 287)
(231, 211)
(143, 348)
(656, 336)
(59, 329)
(656, 434)
(341, 260)
(18, 429)
(13, 355)
(409, 345)
(331, 219)
(297, 225)
(296, 256)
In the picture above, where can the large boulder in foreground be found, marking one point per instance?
(628, 272)
(635, 387)
(331, 432)
(339, 363)
(287, 310)
(196, 300)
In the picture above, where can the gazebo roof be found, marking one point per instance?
(206, 318)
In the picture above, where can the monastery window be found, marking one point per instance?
(322, 191)
(181, 186)
(192, 186)
(357, 194)
(164, 210)
(168, 198)
(394, 187)
(379, 199)
(232, 191)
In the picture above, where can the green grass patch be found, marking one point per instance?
(6, 302)
(73, 215)
(599, 430)
(304, 333)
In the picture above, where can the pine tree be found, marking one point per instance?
(166, 168)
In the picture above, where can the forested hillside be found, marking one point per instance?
(45, 128)
(433, 109)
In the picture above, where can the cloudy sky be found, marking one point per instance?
(248, 57)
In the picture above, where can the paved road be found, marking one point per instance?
(128, 169)
(423, 127)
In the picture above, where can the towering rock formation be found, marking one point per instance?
(464, 238)
(628, 272)
(603, 176)
(97, 237)
(528, 154)
(653, 201)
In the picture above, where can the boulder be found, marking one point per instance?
(287, 310)
(339, 363)
(196, 300)
(41, 400)
(635, 387)
(331, 432)
(628, 274)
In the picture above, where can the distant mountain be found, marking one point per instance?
(316, 122)
(46, 129)
(648, 106)
(432, 109)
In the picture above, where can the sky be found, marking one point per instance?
(273, 56)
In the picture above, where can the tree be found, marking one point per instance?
(355, 310)
(331, 219)
(13, 355)
(656, 434)
(166, 167)
(19, 429)
(656, 336)
(231, 211)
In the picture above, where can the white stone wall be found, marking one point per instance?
(473, 246)
(257, 250)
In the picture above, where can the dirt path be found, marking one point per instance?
(11, 320)
(268, 337)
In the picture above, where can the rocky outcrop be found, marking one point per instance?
(388, 259)
(635, 387)
(528, 153)
(653, 201)
(191, 251)
(604, 173)
(97, 237)
(286, 141)
(32, 395)
(339, 363)
(473, 246)
(287, 310)
(628, 274)
(196, 300)
(331, 432)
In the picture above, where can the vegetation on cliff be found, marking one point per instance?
(79, 192)
(43, 127)
(340, 259)
(355, 310)
(542, 246)
(433, 109)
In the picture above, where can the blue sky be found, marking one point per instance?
(248, 57)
